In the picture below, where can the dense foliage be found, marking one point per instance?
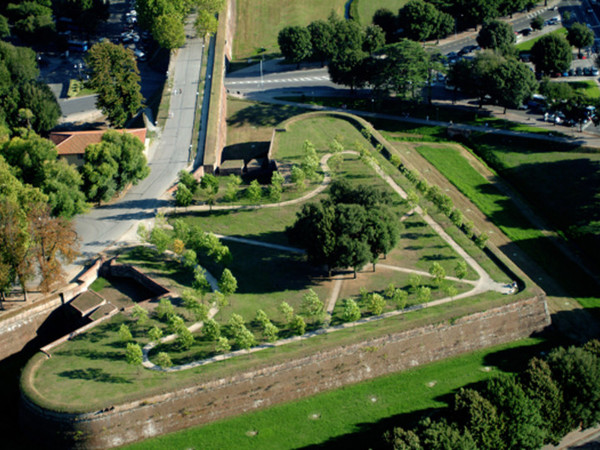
(551, 397)
(352, 227)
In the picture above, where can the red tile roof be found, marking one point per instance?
(75, 142)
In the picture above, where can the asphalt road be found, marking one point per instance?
(103, 226)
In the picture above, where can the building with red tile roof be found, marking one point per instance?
(71, 145)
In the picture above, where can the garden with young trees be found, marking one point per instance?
(235, 294)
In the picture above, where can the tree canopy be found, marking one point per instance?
(551, 54)
(115, 77)
(496, 35)
(580, 36)
(340, 232)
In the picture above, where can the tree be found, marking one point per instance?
(183, 196)
(287, 311)
(404, 71)
(539, 385)
(185, 338)
(168, 32)
(261, 318)
(321, 39)
(115, 77)
(386, 20)
(254, 191)
(227, 283)
(54, 243)
(376, 304)
(270, 332)
(374, 39)
(522, 425)
(4, 27)
(209, 183)
(38, 99)
(551, 54)
(422, 21)
(438, 273)
(133, 354)
(200, 283)
(175, 322)
(481, 240)
(310, 160)
(348, 68)
(399, 298)
(295, 44)
(129, 155)
(155, 334)
(140, 314)
(579, 36)
(99, 172)
(212, 330)
(537, 23)
(297, 325)
(165, 309)
(125, 333)
(351, 311)
(222, 345)
(577, 372)
(191, 303)
(275, 191)
(496, 35)
(423, 294)
(160, 239)
(515, 83)
(298, 177)
(312, 306)
(441, 434)
(206, 23)
(479, 416)
(63, 186)
(163, 360)
(244, 338)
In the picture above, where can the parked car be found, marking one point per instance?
(579, 71)
(594, 71)
(587, 71)
(571, 72)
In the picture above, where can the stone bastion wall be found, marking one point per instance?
(252, 390)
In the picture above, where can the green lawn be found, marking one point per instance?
(258, 23)
(354, 416)
(366, 8)
(588, 88)
(527, 45)
(536, 170)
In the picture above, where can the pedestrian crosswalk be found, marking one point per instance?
(277, 80)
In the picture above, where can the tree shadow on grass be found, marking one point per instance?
(91, 354)
(263, 115)
(93, 374)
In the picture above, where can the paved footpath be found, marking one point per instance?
(483, 284)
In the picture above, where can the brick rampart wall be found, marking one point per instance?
(294, 379)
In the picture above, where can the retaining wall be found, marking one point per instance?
(18, 329)
(291, 380)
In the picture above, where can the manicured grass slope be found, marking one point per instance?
(258, 23)
(353, 416)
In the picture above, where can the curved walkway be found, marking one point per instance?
(483, 284)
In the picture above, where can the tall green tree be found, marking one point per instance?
(99, 172)
(388, 22)
(551, 54)
(130, 158)
(114, 75)
(168, 32)
(422, 21)
(295, 44)
(321, 38)
(496, 35)
(479, 416)
(206, 23)
(580, 36)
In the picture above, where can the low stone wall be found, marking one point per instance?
(294, 379)
(18, 329)
(113, 269)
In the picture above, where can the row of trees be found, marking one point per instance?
(426, 20)
(332, 40)
(352, 227)
(539, 406)
(31, 239)
(165, 19)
